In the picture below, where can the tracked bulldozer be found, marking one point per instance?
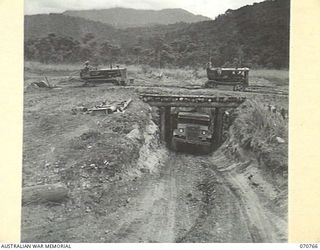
(238, 78)
(117, 75)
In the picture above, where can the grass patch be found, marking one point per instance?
(101, 147)
(41, 67)
(176, 73)
(278, 77)
(258, 130)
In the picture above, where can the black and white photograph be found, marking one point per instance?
(155, 121)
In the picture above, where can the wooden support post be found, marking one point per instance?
(162, 124)
(213, 124)
(168, 125)
(218, 126)
(165, 124)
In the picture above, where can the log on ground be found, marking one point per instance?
(44, 193)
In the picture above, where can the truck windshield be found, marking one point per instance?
(193, 121)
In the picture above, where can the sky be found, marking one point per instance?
(209, 8)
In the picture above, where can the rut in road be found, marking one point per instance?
(152, 218)
(193, 200)
(234, 211)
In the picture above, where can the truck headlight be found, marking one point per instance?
(203, 132)
(181, 130)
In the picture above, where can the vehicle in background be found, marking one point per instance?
(193, 129)
(236, 77)
(116, 75)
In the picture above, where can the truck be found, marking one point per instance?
(238, 78)
(192, 129)
(116, 75)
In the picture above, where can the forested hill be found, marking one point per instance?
(255, 36)
(125, 17)
(41, 25)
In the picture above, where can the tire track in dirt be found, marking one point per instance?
(161, 212)
(152, 217)
(232, 210)
(220, 218)
(191, 199)
(263, 224)
(259, 219)
(226, 209)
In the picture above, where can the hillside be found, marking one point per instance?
(125, 18)
(43, 24)
(255, 36)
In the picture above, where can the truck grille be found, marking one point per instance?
(192, 133)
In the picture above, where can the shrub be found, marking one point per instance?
(257, 129)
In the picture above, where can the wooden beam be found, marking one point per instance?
(192, 104)
(192, 101)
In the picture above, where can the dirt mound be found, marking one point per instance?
(101, 164)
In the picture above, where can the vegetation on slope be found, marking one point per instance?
(253, 36)
(125, 17)
(264, 133)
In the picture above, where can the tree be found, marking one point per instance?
(87, 37)
(109, 52)
(136, 50)
(156, 43)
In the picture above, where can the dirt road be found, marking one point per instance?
(189, 199)
(192, 200)
(123, 189)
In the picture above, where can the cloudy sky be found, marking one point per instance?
(209, 8)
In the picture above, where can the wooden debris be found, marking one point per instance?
(123, 105)
(41, 84)
(79, 109)
(103, 108)
(280, 140)
(47, 81)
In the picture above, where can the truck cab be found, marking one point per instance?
(192, 128)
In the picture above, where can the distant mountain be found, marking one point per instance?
(41, 25)
(255, 36)
(125, 18)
